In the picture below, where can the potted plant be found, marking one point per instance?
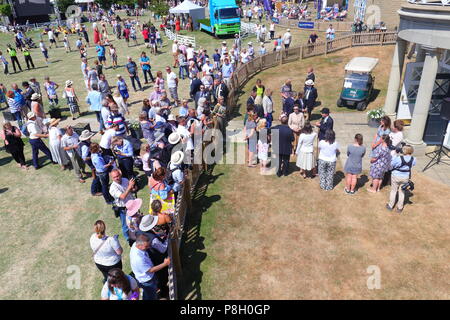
(135, 130)
(374, 117)
(54, 111)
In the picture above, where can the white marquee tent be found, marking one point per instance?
(187, 7)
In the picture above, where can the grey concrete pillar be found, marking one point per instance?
(395, 77)
(424, 94)
(420, 53)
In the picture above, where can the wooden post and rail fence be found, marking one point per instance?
(240, 76)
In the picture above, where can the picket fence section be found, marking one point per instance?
(181, 39)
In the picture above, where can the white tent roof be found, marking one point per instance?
(185, 7)
(361, 64)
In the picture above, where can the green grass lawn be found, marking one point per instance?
(47, 216)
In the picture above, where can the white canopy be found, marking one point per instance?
(195, 11)
(185, 7)
(361, 64)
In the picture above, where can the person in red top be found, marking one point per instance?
(96, 35)
(145, 34)
(126, 35)
(177, 25)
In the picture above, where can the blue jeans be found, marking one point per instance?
(53, 101)
(149, 289)
(149, 72)
(183, 70)
(104, 181)
(126, 166)
(269, 120)
(18, 116)
(36, 145)
(123, 220)
(135, 79)
(98, 114)
(96, 185)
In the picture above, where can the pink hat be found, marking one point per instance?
(133, 206)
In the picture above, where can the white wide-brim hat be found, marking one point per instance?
(177, 157)
(174, 138)
(148, 222)
(35, 96)
(86, 135)
(309, 82)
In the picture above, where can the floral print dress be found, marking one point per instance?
(382, 164)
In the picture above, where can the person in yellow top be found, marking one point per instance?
(28, 59)
(13, 54)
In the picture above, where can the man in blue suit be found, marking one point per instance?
(285, 139)
(326, 123)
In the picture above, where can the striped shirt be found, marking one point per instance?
(120, 121)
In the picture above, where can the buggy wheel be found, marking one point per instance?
(361, 106)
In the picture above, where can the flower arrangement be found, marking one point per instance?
(134, 125)
(375, 114)
(135, 129)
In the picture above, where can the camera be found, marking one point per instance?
(398, 148)
(408, 186)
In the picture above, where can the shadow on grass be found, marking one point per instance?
(338, 177)
(362, 181)
(36, 68)
(6, 160)
(3, 190)
(374, 95)
(192, 254)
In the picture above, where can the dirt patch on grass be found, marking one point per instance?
(287, 239)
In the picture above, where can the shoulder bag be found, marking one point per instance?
(99, 247)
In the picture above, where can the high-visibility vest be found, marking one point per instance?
(12, 52)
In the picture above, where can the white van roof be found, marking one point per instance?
(361, 64)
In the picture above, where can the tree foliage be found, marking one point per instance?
(129, 3)
(159, 7)
(5, 10)
(64, 4)
(104, 4)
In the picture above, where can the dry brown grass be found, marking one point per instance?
(285, 238)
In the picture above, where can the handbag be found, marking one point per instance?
(116, 211)
(99, 247)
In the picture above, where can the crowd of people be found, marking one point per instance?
(167, 122)
(167, 149)
(317, 151)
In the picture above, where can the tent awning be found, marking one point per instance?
(185, 7)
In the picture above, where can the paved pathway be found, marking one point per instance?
(347, 124)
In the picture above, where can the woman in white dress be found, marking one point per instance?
(305, 150)
(54, 137)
